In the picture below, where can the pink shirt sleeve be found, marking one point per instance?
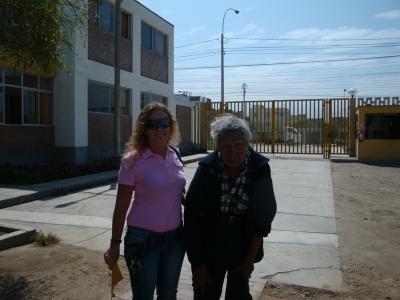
(126, 174)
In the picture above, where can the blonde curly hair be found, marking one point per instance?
(138, 140)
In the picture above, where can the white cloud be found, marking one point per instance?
(393, 14)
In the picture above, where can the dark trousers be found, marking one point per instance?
(237, 287)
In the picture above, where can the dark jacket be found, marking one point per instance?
(202, 207)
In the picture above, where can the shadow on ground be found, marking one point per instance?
(12, 288)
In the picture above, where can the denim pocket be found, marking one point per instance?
(135, 245)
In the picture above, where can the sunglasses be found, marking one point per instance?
(158, 123)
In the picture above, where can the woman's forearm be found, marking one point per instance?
(124, 196)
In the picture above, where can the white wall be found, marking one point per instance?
(70, 87)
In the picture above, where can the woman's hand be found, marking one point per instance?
(200, 279)
(111, 255)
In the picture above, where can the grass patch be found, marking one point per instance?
(43, 239)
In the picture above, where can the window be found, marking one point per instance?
(106, 19)
(125, 26)
(1, 104)
(46, 83)
(146, 36)
(45, 108)
(12, 105)
(30, 81)
(125, 102)
(25, 98)
(12, 77)
(31, 107)
(159, 43)
(382, 126)
(154, 40)
(101, 99)
(149, 98)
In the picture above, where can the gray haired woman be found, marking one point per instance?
(229, 208)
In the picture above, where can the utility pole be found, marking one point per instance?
(117, 111)
(244, 87)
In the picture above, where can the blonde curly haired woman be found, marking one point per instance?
(153, 244)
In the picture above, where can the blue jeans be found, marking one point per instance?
(154, 260)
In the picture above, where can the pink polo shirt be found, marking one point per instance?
(158, 185)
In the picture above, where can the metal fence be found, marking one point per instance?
(311, 126)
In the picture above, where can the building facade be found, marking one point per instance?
(70, 117)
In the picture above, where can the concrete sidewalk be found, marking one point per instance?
(14, 195)
(301, 249)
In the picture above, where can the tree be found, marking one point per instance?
(37, 34)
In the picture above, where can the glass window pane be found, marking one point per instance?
(46, 83)
(98, 98)
(1, 105)
(46, 114)
(13, 107)
(382, 126)
(150, 98)
(12, 77)
(106, 16)
(125, 25)
(125, 101)
(30, 81)
(159, 43)
(31, 107)
(1, 76)
(146, 36)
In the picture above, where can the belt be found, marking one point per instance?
(156, 236)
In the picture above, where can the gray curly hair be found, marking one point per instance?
(227, 123)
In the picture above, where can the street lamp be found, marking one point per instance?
(244, 87)
(352, 92)
(222, 51)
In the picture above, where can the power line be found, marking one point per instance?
(290, 63)
(314, 40)
(196, 43)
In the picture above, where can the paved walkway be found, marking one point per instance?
(301, 249)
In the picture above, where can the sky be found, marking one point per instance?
(285, 49)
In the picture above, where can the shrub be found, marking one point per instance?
(43, 239)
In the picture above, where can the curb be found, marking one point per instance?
(17, 236)
(62, 188)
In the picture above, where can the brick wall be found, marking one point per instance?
(101, 129)
(183, 115)
(154, 66)
(101, 45)
(26, 136)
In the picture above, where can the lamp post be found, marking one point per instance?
(222, 52)
(244, 87)
(117, 112)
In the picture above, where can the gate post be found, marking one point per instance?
(273, 127)
(327, 130)
(352, 127)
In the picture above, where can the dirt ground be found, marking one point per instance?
(367, 204)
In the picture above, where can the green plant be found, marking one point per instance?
(43, 239)
(39, 33)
